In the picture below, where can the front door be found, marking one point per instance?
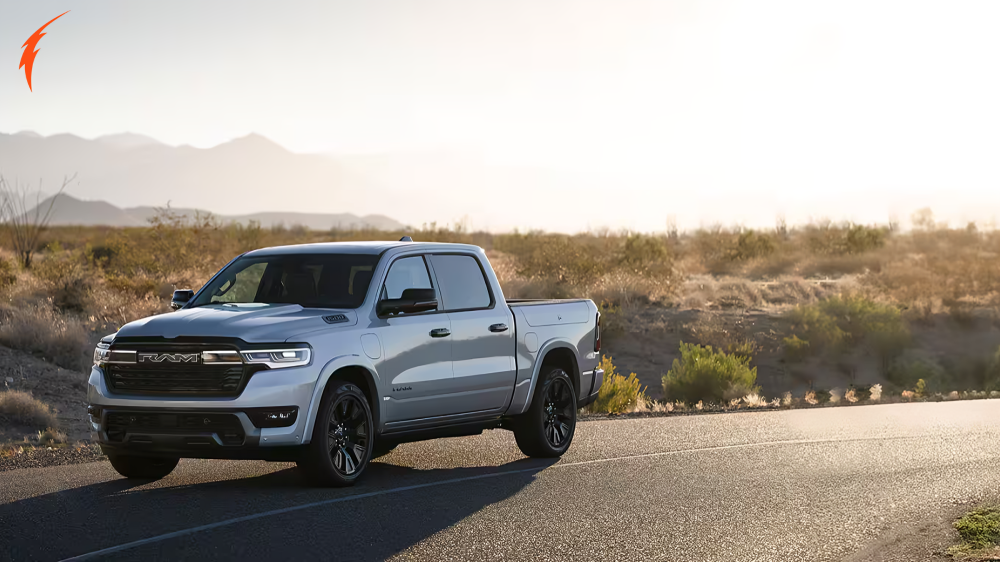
(417, 362)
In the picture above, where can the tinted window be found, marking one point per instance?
(462, 282)
(313, 281)
(406, 273)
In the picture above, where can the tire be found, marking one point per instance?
(546, 429)
(146, 468)
(341, 444)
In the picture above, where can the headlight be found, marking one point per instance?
(102, 353)
(279, 358)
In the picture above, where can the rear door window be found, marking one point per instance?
(462, 282)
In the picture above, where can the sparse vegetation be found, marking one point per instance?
(841, 294)
(703, 373)
(980, 532)
(23, 409)
(618, 394)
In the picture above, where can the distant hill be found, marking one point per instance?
(240, 177)
(68, 210)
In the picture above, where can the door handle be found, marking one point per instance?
(440, 332)
(498, 328)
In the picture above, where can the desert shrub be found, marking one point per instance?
(703, 373)
(845, 239)
(8, 273)
(42, 331)
(836, 323)
(66, 278)
(50, 436)
(21, 408)
(751, 244)
(795, 349)
(618, 394)
(980, 528)
(911, 367)
(644, 253)
(134, 285)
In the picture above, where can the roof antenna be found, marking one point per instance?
(406, 239)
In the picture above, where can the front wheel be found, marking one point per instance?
(146, 468)
(342, 441)
(547, 428)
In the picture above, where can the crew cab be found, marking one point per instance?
(331, 354)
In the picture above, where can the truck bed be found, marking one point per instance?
(530, 302)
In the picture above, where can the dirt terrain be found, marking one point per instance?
(65, 391)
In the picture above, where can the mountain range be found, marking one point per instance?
(117, 176)
(68, 210)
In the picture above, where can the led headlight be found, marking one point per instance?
(279, 358)
(102, 353)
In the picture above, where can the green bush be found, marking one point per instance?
(618, 394)
(980, 528)
(837, 323)
(909, 369)
(705, 374)
(750, 245)
(796, 349)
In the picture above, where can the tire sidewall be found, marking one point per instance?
(320, 452)
(538, 409)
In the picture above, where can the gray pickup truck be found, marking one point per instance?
(331, 354)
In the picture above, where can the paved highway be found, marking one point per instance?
(820, 484)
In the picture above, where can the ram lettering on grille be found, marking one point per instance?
(168, 357)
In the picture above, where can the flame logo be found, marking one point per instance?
(28, 56)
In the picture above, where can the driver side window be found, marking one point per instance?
(406, 273)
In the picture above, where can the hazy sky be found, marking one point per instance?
(713, 109)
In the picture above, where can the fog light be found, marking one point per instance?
(95, 413)
(276, 417)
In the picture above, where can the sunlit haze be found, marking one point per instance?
(623, 114)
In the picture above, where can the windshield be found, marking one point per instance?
(312, 281)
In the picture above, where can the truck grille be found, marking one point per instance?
(176, 378)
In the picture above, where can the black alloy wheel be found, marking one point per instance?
(560, 410)
(348, 435)
(546, 429)
(342, 438)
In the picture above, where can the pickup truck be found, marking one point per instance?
(331, 354)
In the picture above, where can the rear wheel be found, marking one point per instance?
(147, 468)
(342, 441)
(547, 428)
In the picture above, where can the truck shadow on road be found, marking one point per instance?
(392, 509)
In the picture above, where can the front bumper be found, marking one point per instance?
(169, 428)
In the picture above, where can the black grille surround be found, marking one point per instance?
(221, 380)
(169, 378)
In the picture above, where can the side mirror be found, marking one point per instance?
(180, 298)
(411, 301)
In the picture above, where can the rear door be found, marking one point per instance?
(417, 360)
(482, 334)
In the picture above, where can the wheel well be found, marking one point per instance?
(362, 378)
(565, 359)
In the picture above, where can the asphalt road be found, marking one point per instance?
(820, 484)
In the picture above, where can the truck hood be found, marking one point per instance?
(251, 322)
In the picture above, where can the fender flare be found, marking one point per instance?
(543, 350)
(349, 360)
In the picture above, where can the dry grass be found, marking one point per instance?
(23, 409)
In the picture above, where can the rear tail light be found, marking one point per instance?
(597, 333)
